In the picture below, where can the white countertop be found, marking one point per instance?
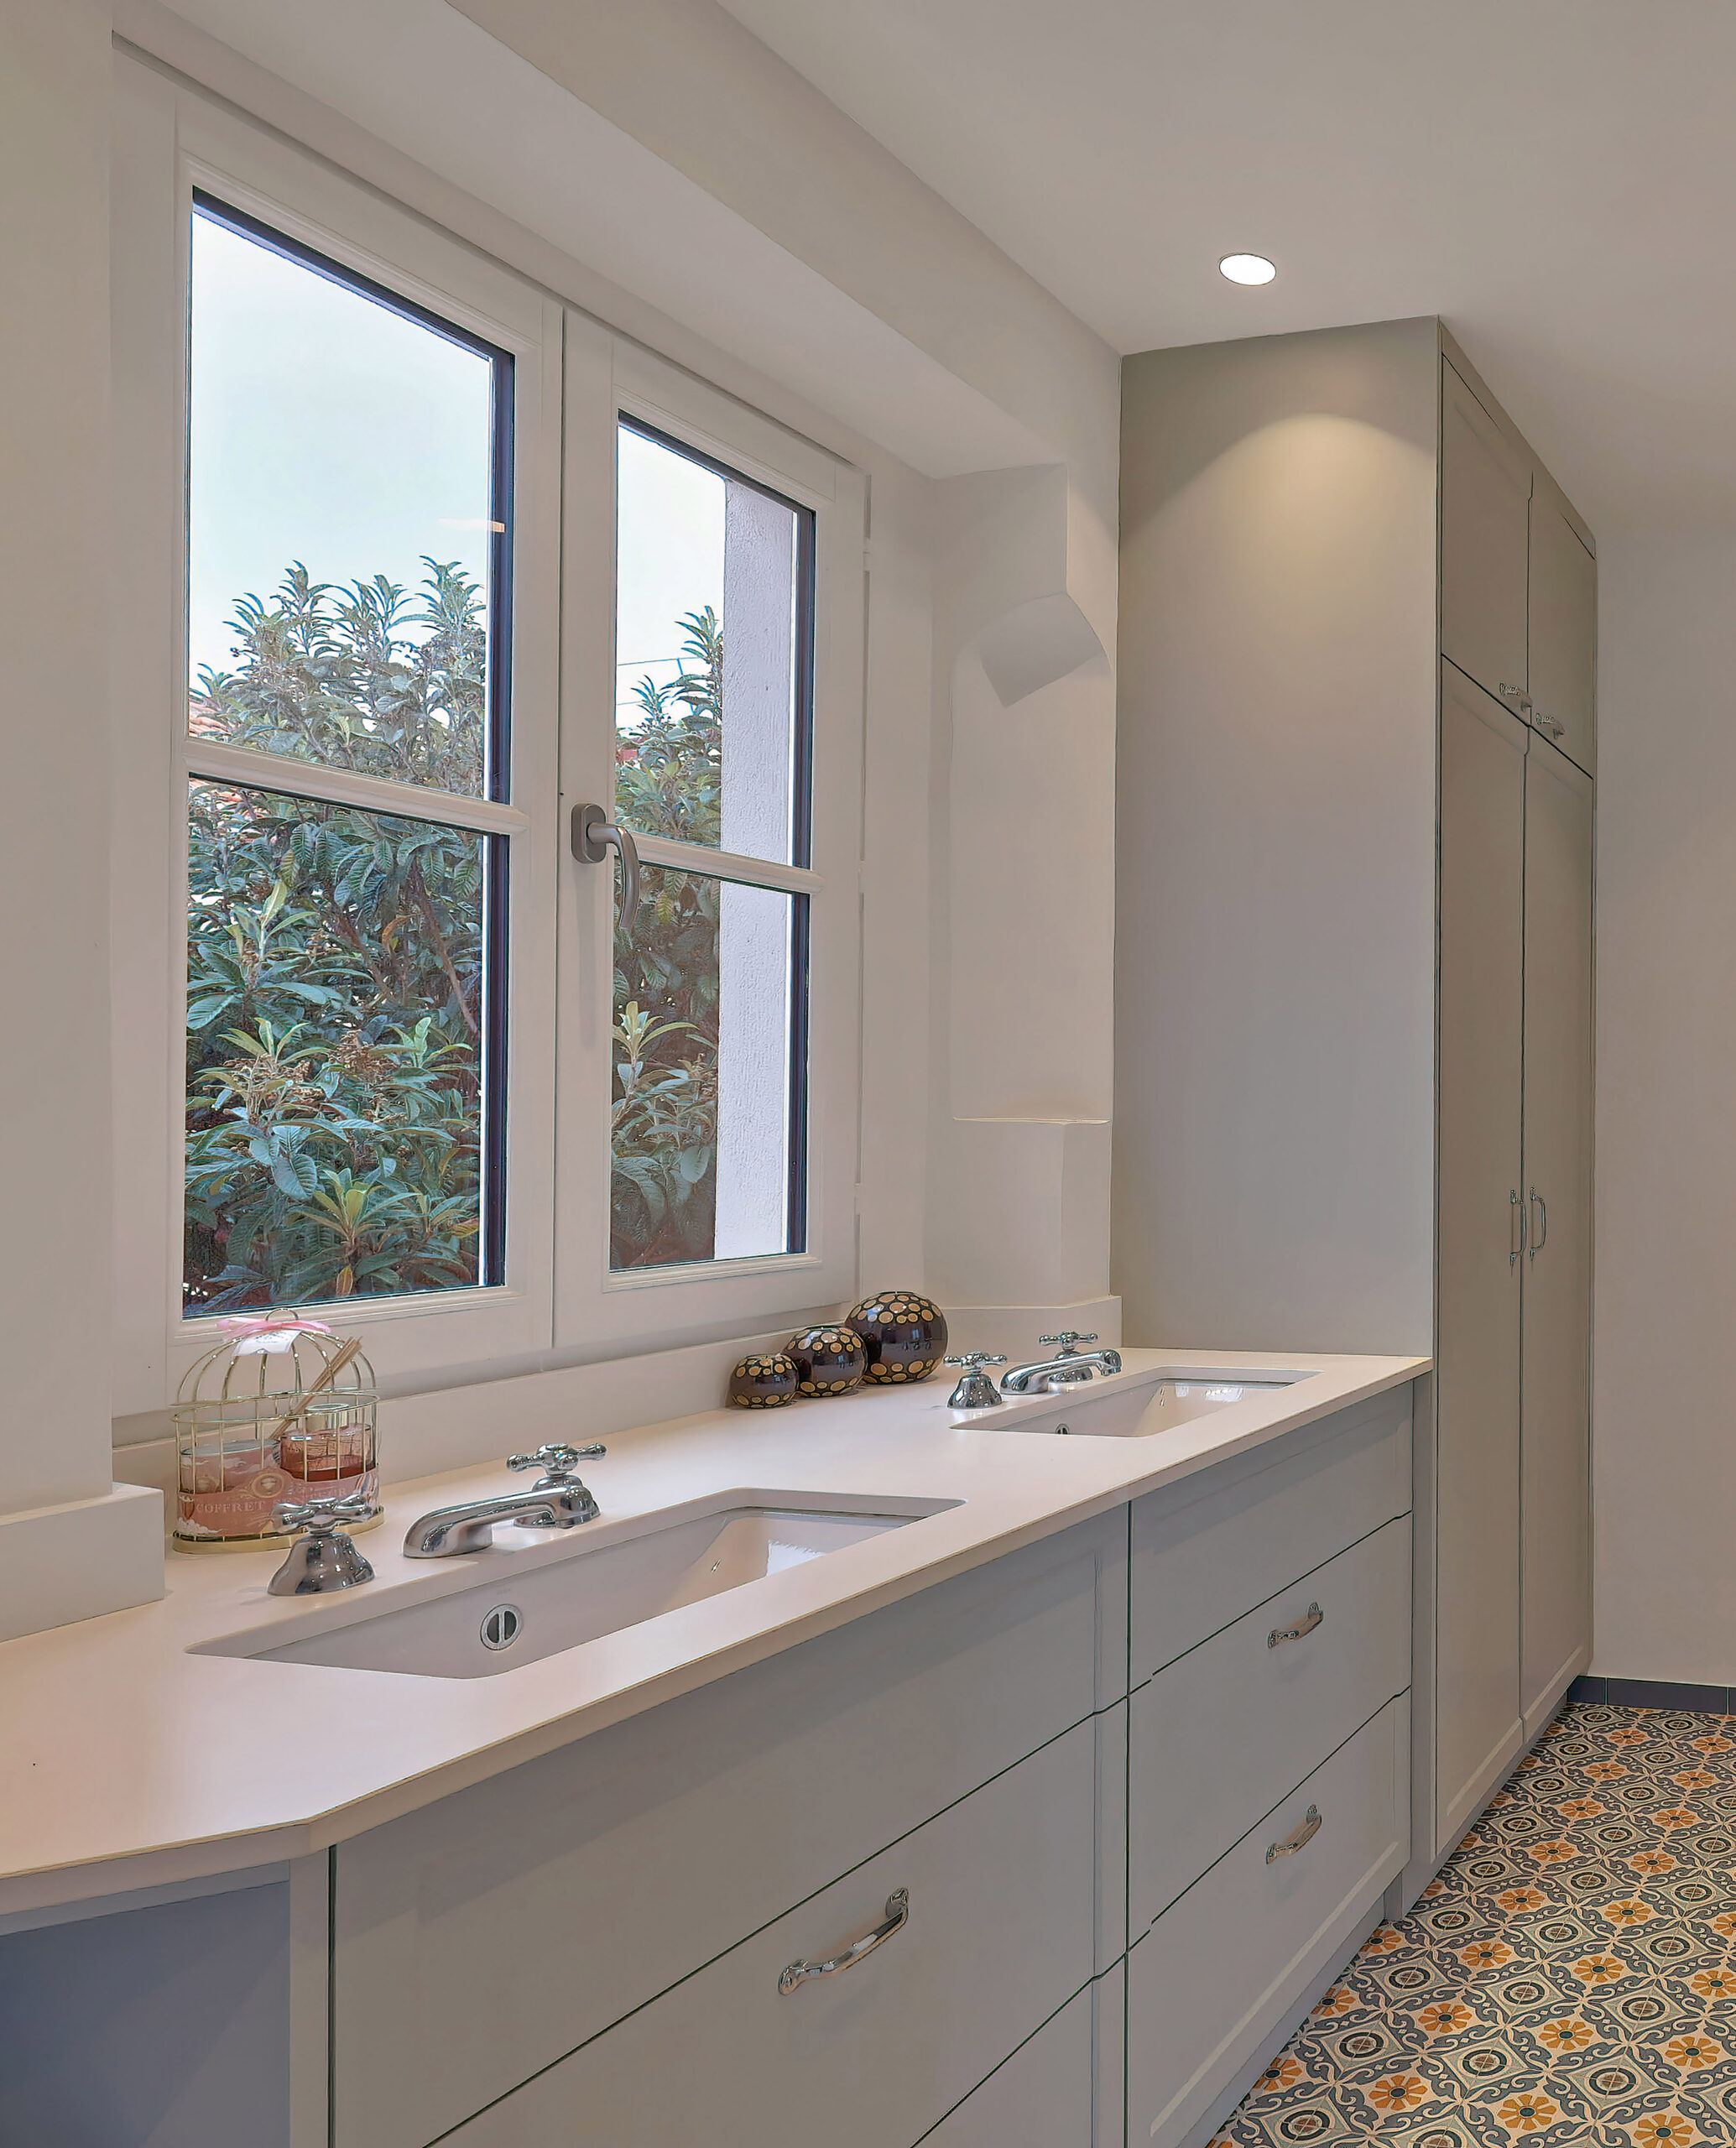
(126, 1762)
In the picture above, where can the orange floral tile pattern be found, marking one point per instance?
(1568, 1978)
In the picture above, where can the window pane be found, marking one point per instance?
(709, 1004)
(711, 654)
(340, 1082)
(346, 508)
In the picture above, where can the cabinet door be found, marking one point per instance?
(1564, 632)
(1485, 496)
(1476, 1721)
(1556, 1412)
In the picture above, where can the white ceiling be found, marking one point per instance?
(1557, 178)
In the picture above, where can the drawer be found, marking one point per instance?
(1221, 1734)
(999, 1938)
(1208, 1549)
(489, 1934)
(1219, 1975)
(1042, 2097)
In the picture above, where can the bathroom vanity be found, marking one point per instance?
(1019, 1779)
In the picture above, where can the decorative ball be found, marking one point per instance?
(766, 1383)
(830, 1360)
(903, 1334)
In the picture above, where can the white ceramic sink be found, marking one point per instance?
(536, 1600)
(1155, 1405)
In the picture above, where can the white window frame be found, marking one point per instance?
(169, 141)
(608, 379)
(574, 379)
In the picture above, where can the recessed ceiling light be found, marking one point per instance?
(1246, 268)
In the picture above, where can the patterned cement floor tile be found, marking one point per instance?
(1569, 1978)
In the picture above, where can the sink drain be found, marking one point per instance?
(502, 1626)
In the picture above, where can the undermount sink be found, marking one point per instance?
(1173, 1398)
(530, 1606)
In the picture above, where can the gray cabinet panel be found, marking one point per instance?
(998, 1937)
(1563, 632)
(481, 1937)
(1485, 492)
(1477, 1723)
(1555, 1489)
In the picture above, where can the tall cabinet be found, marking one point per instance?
(1357, 758)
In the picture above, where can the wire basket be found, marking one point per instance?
(281, 1410)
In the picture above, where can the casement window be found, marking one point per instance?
(417, 560)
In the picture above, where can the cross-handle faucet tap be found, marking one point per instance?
(322, 1557)
(976, 1390)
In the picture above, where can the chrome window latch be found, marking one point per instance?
(594, 834)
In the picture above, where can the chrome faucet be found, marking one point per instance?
(322, 1557)
(557, 1500)
(1069, 1364)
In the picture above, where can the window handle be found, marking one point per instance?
(593, 833)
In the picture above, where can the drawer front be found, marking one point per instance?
(1212, 1547)
(998, 1937)
(1041, 2098)
(1218, 1972)
(1227, 1730)
(486, 1936)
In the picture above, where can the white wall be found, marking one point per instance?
(866, 314)
(1663, 1414)
(55, 73)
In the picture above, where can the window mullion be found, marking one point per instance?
(246, 765)
(728, 865)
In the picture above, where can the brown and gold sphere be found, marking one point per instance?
(830, 1360)
(767, 1382)
(903, 1336)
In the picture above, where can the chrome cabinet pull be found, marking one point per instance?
(1518, 697)
(1298, 1837)
(1306, 1624)
(1515, 1209)
(898, 1916)
(1541, 1239)
(1542, 720)
(593, 833)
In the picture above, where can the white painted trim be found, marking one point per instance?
(258, 771)
(80, 1559)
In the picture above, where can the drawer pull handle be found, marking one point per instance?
(898, 1916)
(1299, 1838)
(1306, 1624)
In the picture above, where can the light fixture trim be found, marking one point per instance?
(1246, 268)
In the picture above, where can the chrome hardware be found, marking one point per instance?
(1518, 696)
(1309, 1620)
(323, 1557)
(1298, 1837)
(898, 1916)
(1515, 1208)
(1546, 723)
(1542, 1238)
(593, 834)
(502, 1626)
(558, 1461)
(976, 1390)
(557, 1500)
(1068, 1364)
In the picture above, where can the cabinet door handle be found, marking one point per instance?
(1542, 720)
(898, 1916)
(1518, 697)
(1306, 1624)
(1541, 1239)
(1298, 1837)
(1516, 1224)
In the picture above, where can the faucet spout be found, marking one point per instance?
(448, 1532)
